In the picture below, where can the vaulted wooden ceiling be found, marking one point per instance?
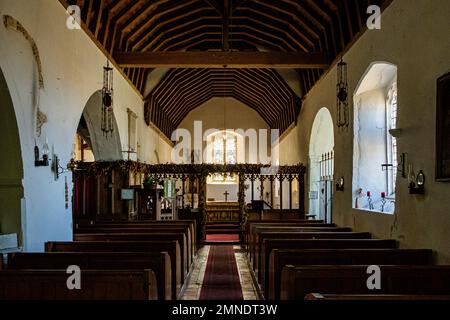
(315, 28)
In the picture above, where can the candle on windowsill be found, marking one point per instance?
(383, 194)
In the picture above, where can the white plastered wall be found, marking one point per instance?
(413, 36)
(72, 71)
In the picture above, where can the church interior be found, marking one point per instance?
(225, 150)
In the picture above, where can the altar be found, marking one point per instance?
(220, 211)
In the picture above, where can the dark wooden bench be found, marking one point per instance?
(191, 247)
(179, 237)
(250, 228)
(159, 262)
(171, 247)
(95, 285)
(301, 235)
(255, 235)
(282, 257)
(297, 282)
(375, 297)
(190, 225)
(269, 244)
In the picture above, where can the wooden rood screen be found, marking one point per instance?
(112, 190)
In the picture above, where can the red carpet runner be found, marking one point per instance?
(222, 238)
(221, 281)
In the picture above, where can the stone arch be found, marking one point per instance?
(321, 142)
(11, 165)
(104, 148)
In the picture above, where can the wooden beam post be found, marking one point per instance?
(208, 59)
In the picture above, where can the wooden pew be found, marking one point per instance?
(171, 247)
(132, 229)
(179, 237)
(269, 244)
(158, 262)
(191, 247)
(255, 234)
(297, 282)
(375, 297)
(280, 258)
(301, 235)
(95, 285)
(190, 224)
(250, 231)
(250, 226)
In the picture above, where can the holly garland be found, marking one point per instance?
(98, 168)
(242, 205)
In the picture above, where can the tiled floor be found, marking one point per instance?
(194, 283)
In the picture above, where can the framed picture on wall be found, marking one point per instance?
(443, 128)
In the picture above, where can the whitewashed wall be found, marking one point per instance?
(415, 37)
(72, 72)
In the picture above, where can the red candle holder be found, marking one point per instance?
(383, 195)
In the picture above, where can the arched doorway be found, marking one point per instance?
(321, 157)
(11, 167)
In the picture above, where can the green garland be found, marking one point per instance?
(103, 167)
(242, 205)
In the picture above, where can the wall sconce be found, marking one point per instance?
(340, 184)
(58, 169)
(45, 152)
(418, 187)
(342, 95)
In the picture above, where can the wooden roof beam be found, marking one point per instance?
(194, 59)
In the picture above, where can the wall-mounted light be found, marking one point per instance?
(45, 152)
(342, 95)
(418, 187)
(58, 169)
(340, 184)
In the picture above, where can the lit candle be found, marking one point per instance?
(368, 193)
(383, 194)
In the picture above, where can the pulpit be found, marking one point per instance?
(149, 203)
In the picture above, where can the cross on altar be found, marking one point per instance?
(226, 193)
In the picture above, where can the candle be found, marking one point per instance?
(383, 194)
(368, 193)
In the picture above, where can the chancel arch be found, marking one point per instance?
(91, 142)
(374, 148)
(11, 166)
(321, 157)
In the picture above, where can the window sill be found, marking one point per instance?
(374, 211)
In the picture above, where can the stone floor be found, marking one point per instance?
(194, 282)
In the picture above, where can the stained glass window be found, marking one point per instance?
(224, 151)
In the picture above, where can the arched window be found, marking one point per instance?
(374, 149)
(223, 146)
